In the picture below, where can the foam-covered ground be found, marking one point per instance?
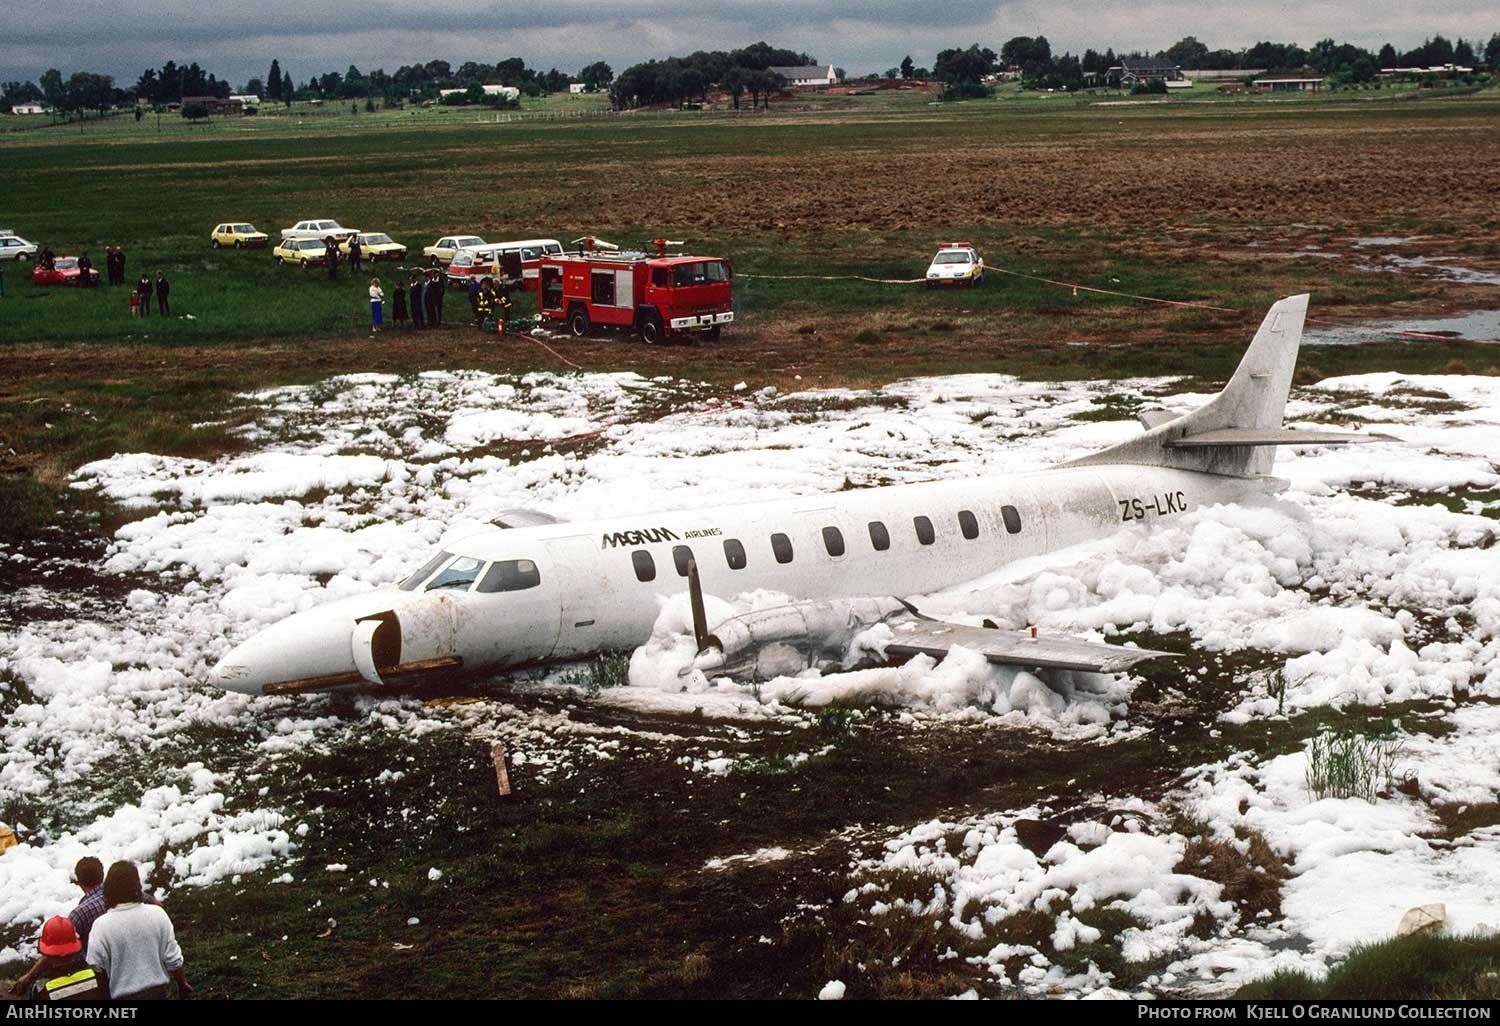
(1370, 578)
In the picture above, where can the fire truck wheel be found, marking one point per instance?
(578, 322)
(651, 330)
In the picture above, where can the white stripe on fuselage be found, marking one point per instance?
(593, 600)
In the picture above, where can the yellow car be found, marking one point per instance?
(375, 246)
(239, 235)
(303, 252)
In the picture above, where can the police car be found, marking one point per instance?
(956, 263)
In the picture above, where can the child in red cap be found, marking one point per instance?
(61, 974)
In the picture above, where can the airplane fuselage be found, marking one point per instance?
(506, 597)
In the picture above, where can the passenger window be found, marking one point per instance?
(460, 574)
(428, 569)
(781, 547)
(682, 556)
(879, 536)
(734, 554)
(833, 541)
(659, 276)
(925, 533)
(645, 566)
(1012, 519)
(510, 575)
(968, 524)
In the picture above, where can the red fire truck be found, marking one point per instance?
(659, 296)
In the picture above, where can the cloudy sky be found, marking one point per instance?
(238, 39)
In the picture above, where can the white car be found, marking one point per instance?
(316, 229)
(13, 247)
(442, 252)
(956, 263)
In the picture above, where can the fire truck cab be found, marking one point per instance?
(658, 297)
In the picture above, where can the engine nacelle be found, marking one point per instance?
(786, 640)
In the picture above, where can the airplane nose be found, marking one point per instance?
(307, 646)
(364, 639)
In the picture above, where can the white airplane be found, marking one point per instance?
(530, 589)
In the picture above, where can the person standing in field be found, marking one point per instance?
(143, 289)
(398, 304)
(163, 287)
(474, 298)
(109, 264)
(377, 306)
(436, 289)
(133, 943)
(85, 271)
(2, 281)
(356, 254)
(120, 264)
(418, 301)
(331, 258)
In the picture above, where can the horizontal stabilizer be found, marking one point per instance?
(1273, 436)
(1016, 648)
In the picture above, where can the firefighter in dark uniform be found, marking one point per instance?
(503, 316)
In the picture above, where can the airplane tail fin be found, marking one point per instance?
(1236, 432)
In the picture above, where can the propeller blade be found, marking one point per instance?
(695, 597)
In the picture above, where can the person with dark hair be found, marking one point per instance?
(133, 943)
(331, 257)
(109, 263)
(88, 874)
(418, 301)
(120, 265)
(474, 291)
(356, 254)
(86, 276)
(162, 288)
(143, 289)
(398, 304)
(62, 973)
(435, 290)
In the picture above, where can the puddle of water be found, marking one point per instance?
(1448, 272)
(1478, 326)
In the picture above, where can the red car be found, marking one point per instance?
(64, 271)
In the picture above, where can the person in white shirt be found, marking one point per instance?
(133, 943)
(377, 305)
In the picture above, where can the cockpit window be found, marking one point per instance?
(510, 575)
(460, 574)
(428, 568)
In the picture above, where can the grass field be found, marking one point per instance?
(1226, 203)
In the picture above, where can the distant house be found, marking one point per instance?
(1440, 70)
(1288, 85)
(28, 108)
(507, 92)
(1134, 71)
(575, 88)
(215, 104)
(808, 75)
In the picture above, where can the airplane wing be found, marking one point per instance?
(1016, 648)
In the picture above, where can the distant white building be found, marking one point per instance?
(808, 75)
(508, 92)
(575, 87)
(247, 99)
(28, 108)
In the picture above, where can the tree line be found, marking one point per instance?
(84, 92)
(1031, 58)
(740, 73)
(679, 80)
